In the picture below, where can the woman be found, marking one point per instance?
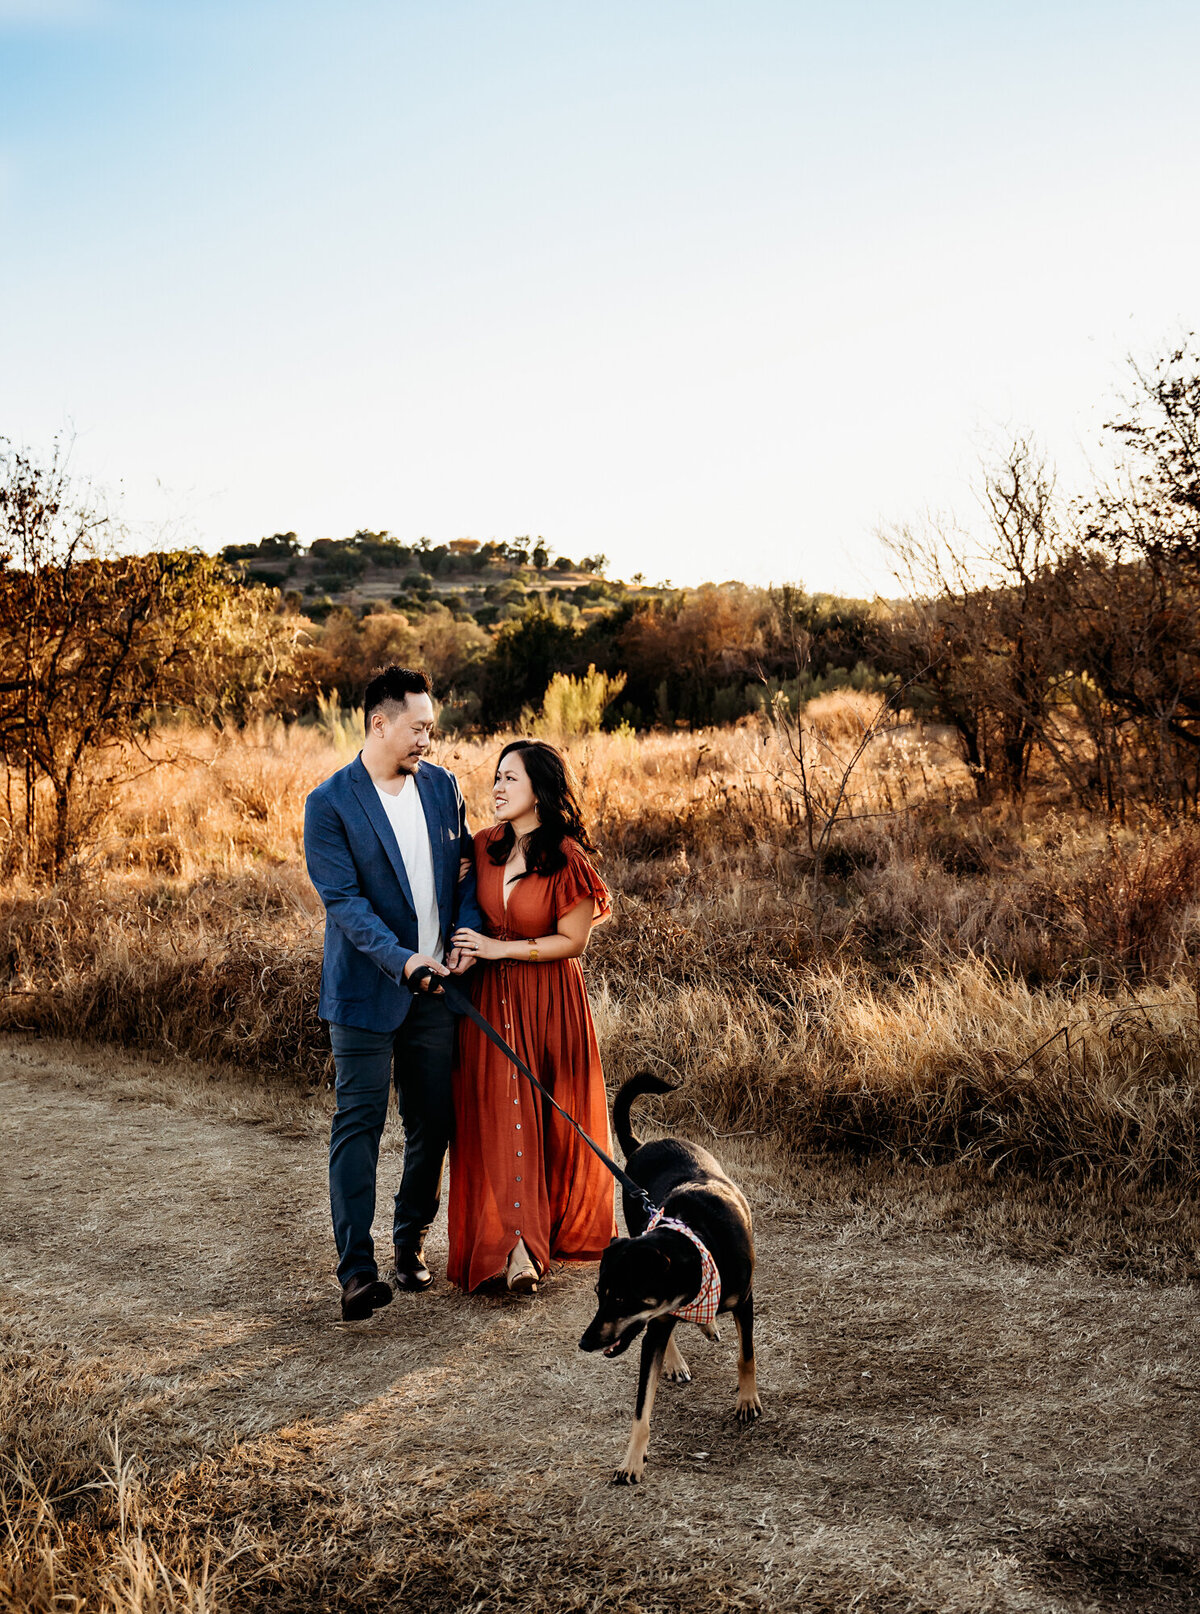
(524, 1189)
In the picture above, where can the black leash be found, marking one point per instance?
(455, 996)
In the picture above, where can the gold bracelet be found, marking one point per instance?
(533, 951)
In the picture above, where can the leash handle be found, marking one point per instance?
(455, 995)
(413, 981)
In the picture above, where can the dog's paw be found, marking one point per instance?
(627, 1476)
(748, 1409)
(674, 1368)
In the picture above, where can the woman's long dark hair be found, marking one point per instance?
(559, 813)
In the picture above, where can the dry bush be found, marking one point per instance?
(932, 1067)
(949, 943)
(844, 716)
(1137, 902)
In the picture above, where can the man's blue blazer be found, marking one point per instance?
(370, 921)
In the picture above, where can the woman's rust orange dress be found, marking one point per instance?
(517, 1170)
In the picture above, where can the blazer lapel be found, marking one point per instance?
(436, 830)
(368, 796)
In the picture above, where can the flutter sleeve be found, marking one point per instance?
(578, 881)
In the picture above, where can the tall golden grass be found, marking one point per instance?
(953, 984)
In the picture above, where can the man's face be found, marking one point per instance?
(403, 739)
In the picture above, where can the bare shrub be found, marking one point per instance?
(1135, 902)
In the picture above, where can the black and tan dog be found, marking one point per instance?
(648, 1280)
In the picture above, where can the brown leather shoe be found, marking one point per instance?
(411, 1272)
(363, 1295)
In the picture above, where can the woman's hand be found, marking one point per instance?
(475, 945)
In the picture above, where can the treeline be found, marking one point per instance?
(494, 622)
(99, 647)
(1070, 637)
(702, 656)
(1063, 645)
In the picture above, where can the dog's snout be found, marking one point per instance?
(595, 1335)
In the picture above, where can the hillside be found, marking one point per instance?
(491, 582)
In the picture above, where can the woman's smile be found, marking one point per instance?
(513, 798)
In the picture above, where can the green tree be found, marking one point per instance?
(526, 654)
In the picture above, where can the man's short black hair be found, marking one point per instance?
(392, 686)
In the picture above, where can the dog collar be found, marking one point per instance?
(703, 1309)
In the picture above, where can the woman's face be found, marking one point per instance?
(512, 794)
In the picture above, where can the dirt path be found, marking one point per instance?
(943, 1430)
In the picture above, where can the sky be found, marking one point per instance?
(718, 290)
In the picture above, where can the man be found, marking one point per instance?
(383, 839)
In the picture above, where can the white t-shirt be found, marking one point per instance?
(407, 818)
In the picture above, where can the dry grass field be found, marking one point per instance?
(899, 998)
(955, 1060)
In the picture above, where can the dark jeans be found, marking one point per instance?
(422, 1051)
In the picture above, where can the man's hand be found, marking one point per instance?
(459, 962)
(420, 960)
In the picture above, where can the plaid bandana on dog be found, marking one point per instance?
(703, 1309)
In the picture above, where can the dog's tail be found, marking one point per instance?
(643, 1082)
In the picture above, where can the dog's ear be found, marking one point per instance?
(658, 1265)
(612, 1252)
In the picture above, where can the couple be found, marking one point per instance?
(405, 887)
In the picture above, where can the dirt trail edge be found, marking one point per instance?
(942, 1430)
